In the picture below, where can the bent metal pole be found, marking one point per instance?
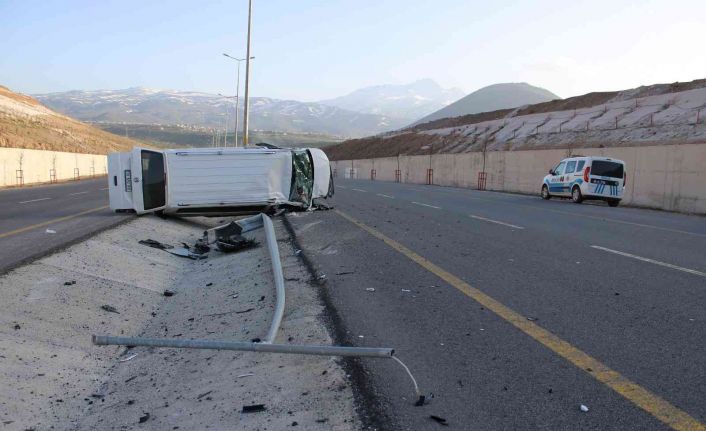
(376, 352)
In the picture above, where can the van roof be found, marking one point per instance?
(608, 159)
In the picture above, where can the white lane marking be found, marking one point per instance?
(426, 205)
(360, 190)
(104, 188)
(34, 200)
(77, 193)
(386, 196)
(656, 262)
(496, 221)
(341, 187)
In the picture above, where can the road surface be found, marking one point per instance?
(37, 220)
(516, 311)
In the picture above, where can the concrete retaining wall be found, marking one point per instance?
(37, 164)
(669, 177)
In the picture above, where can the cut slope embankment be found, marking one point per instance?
(654, 115)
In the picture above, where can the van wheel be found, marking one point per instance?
(613, 203)
(576, 195)
(545, 193)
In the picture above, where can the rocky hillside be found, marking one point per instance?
(648, 115)
(493, 97)
(26, 123)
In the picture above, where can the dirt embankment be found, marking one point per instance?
(458, 134)
(26, 123)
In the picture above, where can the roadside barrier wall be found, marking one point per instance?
(39, 166)
(669, 177)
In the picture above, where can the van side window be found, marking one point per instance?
(580, 166)
(570, 166)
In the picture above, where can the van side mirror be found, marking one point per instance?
(551, 171)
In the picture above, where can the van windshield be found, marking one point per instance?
(603, 168)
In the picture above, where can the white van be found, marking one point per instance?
(582, 178)
(217, 181)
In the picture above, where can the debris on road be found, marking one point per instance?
(69, 283)
(154, 244)
(50, 231)
(439, 420)
(129, 358)
(370, 289)
(109, 308)
(185, 252)
(17, 327)
(254, 408)
(144, 418)
(168, 292)
(245, 375)
(235, 243)
(406, 290)
(584, 408)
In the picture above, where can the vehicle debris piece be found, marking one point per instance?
(17, 327)
(235, 243)
(370, 289)
(168, 292)
(254, 408)
(154, 244)
(109, 308)
(203, 395)
(245, 375)
(50, 231)
(584, 408)
(69, 283)
(439, 420)
(185, 252)
(129, 358)
(144, 418)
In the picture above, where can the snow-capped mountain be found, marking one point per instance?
(408, 102)
(140, 105)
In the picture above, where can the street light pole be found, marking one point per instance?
(237, 93)
(247, 79)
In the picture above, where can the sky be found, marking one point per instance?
(311, 50)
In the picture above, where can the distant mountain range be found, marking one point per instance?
(492, 98)
(165, 107)
(405, 102)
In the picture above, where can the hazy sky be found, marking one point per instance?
(311, 50)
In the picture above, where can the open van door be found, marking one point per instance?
(149, 180)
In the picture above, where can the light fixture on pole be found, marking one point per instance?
(237, 93)
(225, 135)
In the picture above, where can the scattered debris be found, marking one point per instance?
(345, 272)
(129, 358)
(247, 310)
(406, 290)
(370, 289)
(531, 319)
(155, 244)
(245, 375)
(439, 420)
(168, 292)
(144, 418)
(203, 395)
(110, 308)
(254, 408)
(185, 252)
(50, 231)
(17, 327)
(584, 408)
(69, 283)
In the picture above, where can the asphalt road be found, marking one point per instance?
(72, 210)
(515, 311)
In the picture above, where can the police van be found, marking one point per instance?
(583, 177)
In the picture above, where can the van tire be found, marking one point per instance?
(576, 195)
(545, 193)
(613, 202)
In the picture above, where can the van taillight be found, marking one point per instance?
(586, 173)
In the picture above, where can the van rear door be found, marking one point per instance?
(120, 182)
(149, 185)
(607, 177)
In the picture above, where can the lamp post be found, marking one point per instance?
(237, 93)
(225, 135)
(247, 79)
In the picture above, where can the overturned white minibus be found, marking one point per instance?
(217, 181)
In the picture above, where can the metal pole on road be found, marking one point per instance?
(247, 80)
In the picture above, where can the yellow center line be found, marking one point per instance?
(641, 397)
(48, 222)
